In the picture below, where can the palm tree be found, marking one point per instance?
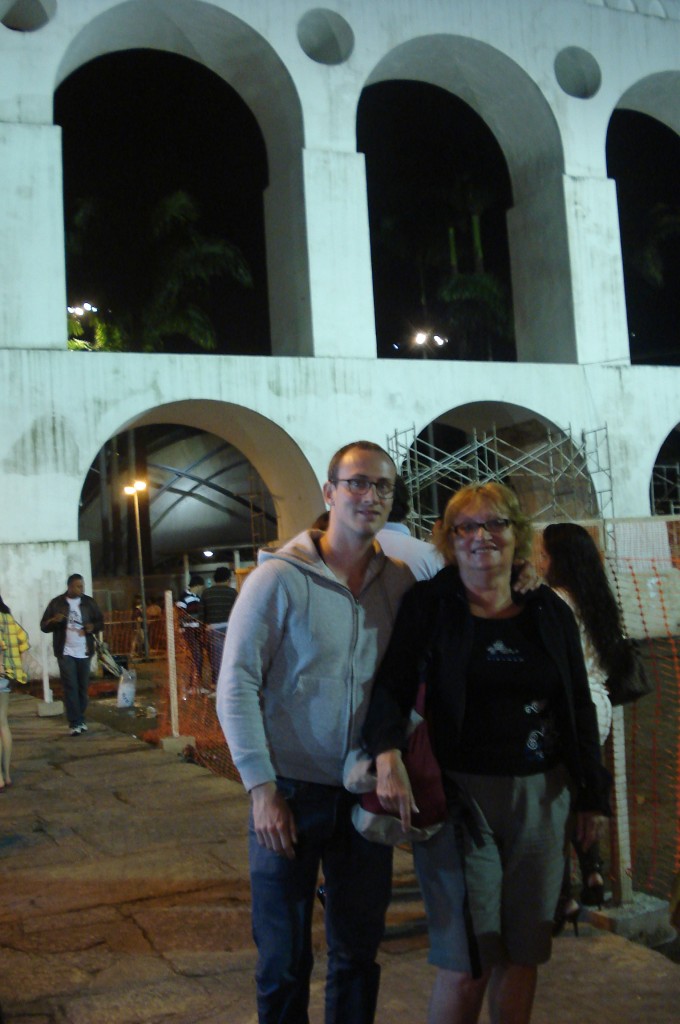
(152, 280)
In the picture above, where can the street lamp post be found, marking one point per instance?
(134, 489)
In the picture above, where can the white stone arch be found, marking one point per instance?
(523, 123)
(278, 459)
(242, 57)
(658, 96)
(655, 445)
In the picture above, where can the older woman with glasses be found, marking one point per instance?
(515, 733)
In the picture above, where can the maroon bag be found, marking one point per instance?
(377, 824)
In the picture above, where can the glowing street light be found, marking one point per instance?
(134, 489)
(426, 339)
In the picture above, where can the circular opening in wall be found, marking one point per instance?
(577, 72)
(28, 15)
(325, 37)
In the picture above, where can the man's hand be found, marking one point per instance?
(273, 820)
(527, 577)
(393, 787)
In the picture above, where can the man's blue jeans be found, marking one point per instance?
(357, 880)
(75, 678)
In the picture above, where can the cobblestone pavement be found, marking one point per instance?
(124, 900)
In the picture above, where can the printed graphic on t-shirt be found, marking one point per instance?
(541, 739)
(75, 644)
(499, 651)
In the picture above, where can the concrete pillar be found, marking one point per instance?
(539, 260)
(32, 574)
(596, 271)
(32, 263)
(287, 264)
(341, 282)
(567, 274)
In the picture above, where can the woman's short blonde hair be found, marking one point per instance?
(504, 501)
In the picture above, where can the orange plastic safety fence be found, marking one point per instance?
(649, 592)
(198, 654)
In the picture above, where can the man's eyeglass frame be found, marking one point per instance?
(361, 485)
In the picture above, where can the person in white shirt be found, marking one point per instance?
(72, 618)
(395, 539)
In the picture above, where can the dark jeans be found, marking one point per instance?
(215, 643)
(193, 637)
(75, 676)
(357, 880)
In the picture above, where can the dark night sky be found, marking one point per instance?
(140, 124)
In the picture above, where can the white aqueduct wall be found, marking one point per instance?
(323, 385)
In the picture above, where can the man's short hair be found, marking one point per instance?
(364, 446)
(401, 502)
(196, 581)
(72, 577)
(222, 574)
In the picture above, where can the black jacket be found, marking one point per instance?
(59, 605)
(433, 634)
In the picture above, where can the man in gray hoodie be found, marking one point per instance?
(305, 639)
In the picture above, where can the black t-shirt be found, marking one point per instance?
(511, 691)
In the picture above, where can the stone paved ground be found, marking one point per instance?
(124, 900)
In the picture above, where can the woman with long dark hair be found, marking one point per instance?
(572, 565)
(13, 643)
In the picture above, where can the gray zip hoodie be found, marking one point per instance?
(300, 642)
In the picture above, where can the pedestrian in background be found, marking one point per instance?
(217, 602)
(13, 643)
(73, 618)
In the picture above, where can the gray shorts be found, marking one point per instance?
(4, 684)
(515, 838)
(439, 867)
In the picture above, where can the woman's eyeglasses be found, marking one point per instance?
(471, 527)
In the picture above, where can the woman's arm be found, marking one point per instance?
(393, 786)
(593, 787)
(397, 678)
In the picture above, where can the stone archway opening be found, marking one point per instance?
(218, 478)
(665, 482)
(643, 156)
(216, 42)
(165, 172)
(438, 190)
(549, 468)
(526, 132)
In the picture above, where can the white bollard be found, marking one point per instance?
(175, 743)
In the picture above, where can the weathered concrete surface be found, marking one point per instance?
(124, 899)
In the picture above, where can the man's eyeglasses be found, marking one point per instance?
(471, 527)
(360, 485)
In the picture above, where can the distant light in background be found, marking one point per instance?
(208, 554)
(86, 307)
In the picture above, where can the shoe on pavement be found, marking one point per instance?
(75, 731)
(82, 727)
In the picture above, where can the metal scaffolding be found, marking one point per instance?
(665, 489)
(557, 476)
